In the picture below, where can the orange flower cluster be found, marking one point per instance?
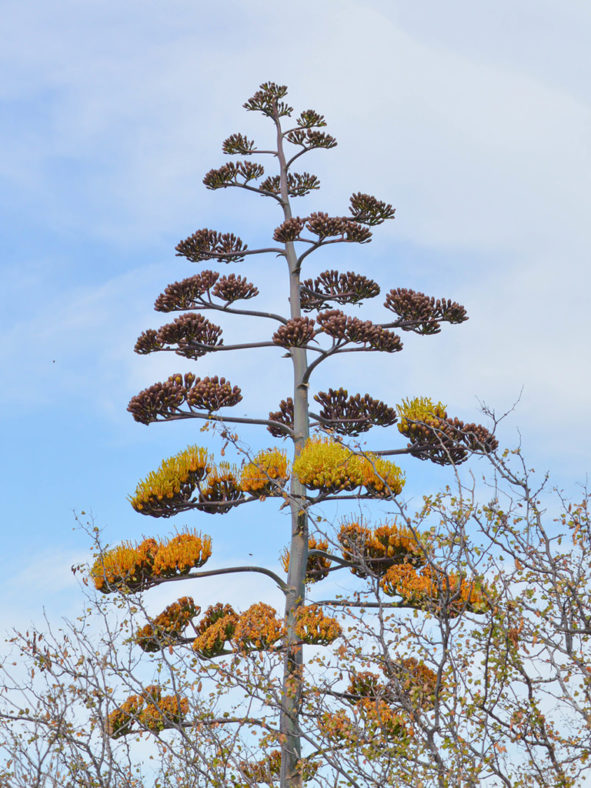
(313, 627)
(372, 719)
(267, 474)
(149, 711)
(447, 595)
(214, 630)
(317, 567)
(258, 628)
(168, 625)
(417, 682)
(330, 467)
(135, 567)
(376, 550)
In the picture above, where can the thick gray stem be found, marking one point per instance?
(298, 553)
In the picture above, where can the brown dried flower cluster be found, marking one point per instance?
(193, 335)
(211, 245)
(348, 288)
(168, 626)
(421, 313)
(284, 416)
(163, 401)
(297, 332)
(345, 329)
(374, 550)
(351, 415)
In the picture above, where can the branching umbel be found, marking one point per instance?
(310, 730)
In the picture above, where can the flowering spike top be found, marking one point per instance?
(267, 100)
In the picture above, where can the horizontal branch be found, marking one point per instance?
(230, 419)
(224, 571)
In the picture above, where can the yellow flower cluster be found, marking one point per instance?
(257, 628)
(317, 566)
(267, 474)
(134, 567)
(330, 467)
(419, 409)
(313, 627)
(150, 711)
(376, 550)
(176, 478)
(168, 625)
(449, 595)
(221, 490)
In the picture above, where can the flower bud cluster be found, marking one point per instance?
(149, 711)
(330, 467)
(267, 100)
(374, 550)
(136, 567)
(325, 226)
(164, 400)
(318, 566)
(348, 288)
(311, 139)
(234, 173)
(289, 230)
(210, 245)
(423, 314)
(238, 143)
(193, 335)
(368, 210)
(297, 332)
(234, 288)
(345, 329)
(187, 293)
(351, 415)
(298, 184)
(168, 626)
(435, 436)
(284, 416)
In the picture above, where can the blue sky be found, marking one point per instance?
(473, 119)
